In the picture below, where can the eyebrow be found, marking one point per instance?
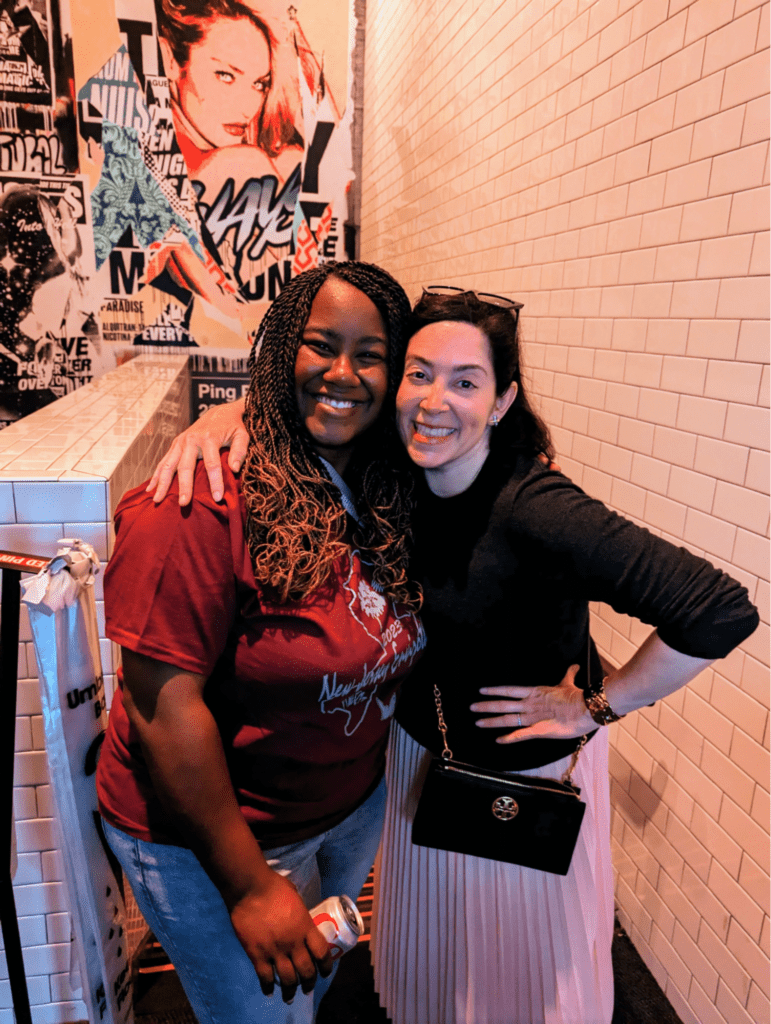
(456, 369)
(336, 334)
(226, 66)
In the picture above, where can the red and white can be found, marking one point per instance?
(339, 921)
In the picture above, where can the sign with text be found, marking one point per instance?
(62, 613)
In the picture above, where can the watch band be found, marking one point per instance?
(599, 709)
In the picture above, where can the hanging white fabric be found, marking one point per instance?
(60, 601)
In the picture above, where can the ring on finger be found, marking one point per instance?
(519, 720)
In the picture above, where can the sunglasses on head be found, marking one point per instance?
(488, 297)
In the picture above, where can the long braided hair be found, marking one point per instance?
(295, 522)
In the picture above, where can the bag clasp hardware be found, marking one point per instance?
(505, 808)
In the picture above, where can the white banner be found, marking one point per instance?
(60, 600)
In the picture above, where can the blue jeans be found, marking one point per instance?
(190, 920)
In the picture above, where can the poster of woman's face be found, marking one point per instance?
(220, 90)
(228, 81)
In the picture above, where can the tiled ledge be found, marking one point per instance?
(68, 464)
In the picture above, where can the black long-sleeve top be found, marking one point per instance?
(508, 568)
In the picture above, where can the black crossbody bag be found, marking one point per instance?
(502, 816)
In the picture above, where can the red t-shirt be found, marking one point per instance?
(302, 694)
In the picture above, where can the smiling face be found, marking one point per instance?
(222, 87)
(446, 403)
(341, 372)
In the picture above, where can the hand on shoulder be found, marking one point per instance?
(220, 427)
(550, 464)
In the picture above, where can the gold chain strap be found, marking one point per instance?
(446, 753)
(567, 778)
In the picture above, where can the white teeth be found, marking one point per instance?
(421, 428)
(335, 403)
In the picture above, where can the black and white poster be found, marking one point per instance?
(49, 338)
(26, 59)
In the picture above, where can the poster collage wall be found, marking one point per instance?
(166, 167)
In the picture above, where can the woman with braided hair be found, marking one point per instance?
(264, 637)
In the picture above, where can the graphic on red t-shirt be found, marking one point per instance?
(398, 646)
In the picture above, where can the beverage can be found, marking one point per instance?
(339, 921)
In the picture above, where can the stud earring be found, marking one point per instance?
(494, 420)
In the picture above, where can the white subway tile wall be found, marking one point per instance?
(96, 443)
(607, 163)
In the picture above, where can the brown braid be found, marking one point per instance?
(295, 521)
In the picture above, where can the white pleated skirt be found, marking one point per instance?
(462, 940)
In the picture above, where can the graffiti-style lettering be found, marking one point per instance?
(31, 153)
(256, 214)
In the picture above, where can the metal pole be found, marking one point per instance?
(9, 644)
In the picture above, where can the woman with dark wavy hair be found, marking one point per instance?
(509, 553)
(264, 637)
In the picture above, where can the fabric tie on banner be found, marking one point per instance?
(62, 612)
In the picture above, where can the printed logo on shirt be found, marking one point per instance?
(372, 603)
(353, 699)
(379, 619)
